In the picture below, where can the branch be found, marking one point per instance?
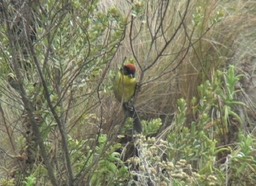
(26, 102)
(170, 40)
(55, 115)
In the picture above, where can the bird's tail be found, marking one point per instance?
(131, 112)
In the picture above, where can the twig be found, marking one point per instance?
(26, 102)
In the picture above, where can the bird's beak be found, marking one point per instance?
(131, 75)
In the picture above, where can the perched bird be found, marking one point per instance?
(125, 85)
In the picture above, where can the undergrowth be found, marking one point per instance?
(60, 123)
(185, 153)
(188, 151)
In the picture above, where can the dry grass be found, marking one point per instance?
(176, 74)
(173, 55)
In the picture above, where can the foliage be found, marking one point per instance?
(6, 182)
(30, 181)
(201, 141)
(151, 127)
(58, 118)
(111, 170)
(189, 155)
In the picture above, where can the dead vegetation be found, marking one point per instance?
(60, 122)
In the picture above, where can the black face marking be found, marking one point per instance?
(126, 71)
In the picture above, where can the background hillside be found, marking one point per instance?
(61, 125)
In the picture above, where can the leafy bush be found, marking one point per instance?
(60, 124)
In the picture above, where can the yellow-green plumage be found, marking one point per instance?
(124, 87)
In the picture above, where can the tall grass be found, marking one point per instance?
(195, 62)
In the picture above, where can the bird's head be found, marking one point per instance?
(129, 70)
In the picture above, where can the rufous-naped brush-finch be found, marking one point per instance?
(125, 85)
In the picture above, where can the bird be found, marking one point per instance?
(125, 84)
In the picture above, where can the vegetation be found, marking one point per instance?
(61, 125)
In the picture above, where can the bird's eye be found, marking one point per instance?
(126, 71)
